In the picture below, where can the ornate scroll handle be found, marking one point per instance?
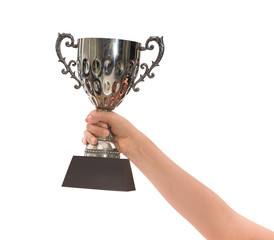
(148, 70)
(62, 59)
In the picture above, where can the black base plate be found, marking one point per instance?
(99, 173)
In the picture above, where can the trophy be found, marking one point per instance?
(107, 69)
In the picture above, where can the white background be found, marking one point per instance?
(209, 108)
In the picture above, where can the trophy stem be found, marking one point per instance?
(105, 147)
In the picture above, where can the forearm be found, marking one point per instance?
(207, 212)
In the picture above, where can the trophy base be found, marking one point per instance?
(99, 173)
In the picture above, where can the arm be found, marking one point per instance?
(205, 210)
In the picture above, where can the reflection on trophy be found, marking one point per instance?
(107, 69)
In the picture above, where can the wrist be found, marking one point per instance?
(135, 139)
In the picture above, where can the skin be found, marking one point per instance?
(204, 209)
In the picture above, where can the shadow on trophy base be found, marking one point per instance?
(99, 173)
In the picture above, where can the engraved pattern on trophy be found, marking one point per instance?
(155, 63)
(108, 69)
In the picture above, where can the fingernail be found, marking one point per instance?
(93, 140)
(106, 132)
(84, 141)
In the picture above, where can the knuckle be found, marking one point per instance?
(93, 113)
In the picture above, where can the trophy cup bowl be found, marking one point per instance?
(107, 70)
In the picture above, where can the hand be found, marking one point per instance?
(98, 123)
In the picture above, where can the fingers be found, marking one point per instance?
(89, 138)
(96, 117)
(84, 141)
(98, 131)
(98, 123)
(102, 124)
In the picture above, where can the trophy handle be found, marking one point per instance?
(62, 59)
(148, 73)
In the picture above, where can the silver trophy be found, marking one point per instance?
(107, 70)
